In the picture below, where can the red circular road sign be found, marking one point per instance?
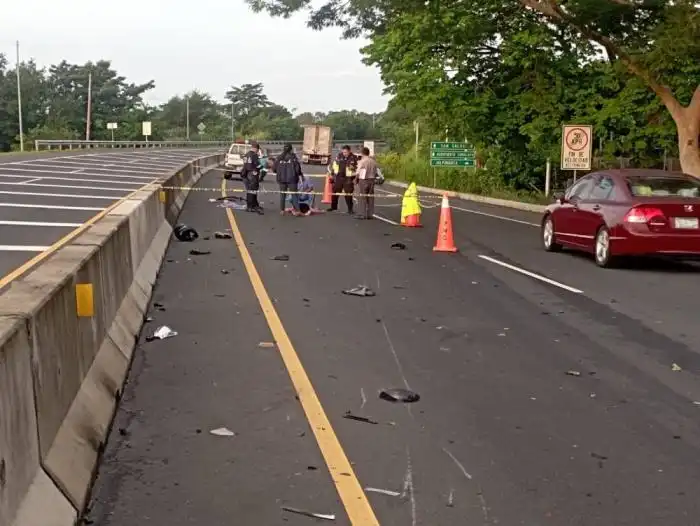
(576, 139)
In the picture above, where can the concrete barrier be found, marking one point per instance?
(67, 333)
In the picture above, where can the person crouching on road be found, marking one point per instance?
(251, 178)
(289, 175)
(366, 177)
(344, 168)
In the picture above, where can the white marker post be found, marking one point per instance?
(146, 126)
(112, 126)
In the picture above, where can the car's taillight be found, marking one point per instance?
(649, 215)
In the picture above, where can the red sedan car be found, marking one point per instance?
(627, 213)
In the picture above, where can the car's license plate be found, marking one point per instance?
(685, 222)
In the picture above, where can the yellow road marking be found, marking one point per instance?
(70, 236)
(346, 483)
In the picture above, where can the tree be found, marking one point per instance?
(464, 44)
(246, 101)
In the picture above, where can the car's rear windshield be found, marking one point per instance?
(240, 149)
(660, 186)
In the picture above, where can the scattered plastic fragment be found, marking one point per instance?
(223, 235)
(222, 432)
(233, 204)
(675, 367)
(399, 395)
(360, 290)
(325, 516)
(281, 257)
(383, 492)
(398, 246)
(364, 419)
(199, 252)
(185, 233)
(266, 345)
(148, 319)
(696, 403)
(573, 373)
(451, 499)
(159, 306)
(225, 271)
(161, 333)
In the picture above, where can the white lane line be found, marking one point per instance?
(39, 223)
(495, 216)
(52, 207)
(67, 196)
(116, 165)
(377, 216)
(89, 174)
(77, 171)
(22, 248)
(146, 161)
(28, 181)
(108, 181)
(531, 274)
(64, 168)
(77, 187)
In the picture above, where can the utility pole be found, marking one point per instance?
(19, 105)
(233, 136)
(89, 108)
(187, 118)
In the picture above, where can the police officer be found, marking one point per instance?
(343, 170)
(251, 178)
(289, 174)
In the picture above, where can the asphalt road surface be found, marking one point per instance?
(46, 195)
(549, 394)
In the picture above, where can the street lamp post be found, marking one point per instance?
(19, 105)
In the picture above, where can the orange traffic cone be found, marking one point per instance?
(327, 192)
(445, 241)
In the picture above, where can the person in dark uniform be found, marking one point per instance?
(251, 178)
(289, 175)
(343, 175)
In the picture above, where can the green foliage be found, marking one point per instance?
(54, 106)
(507, 74)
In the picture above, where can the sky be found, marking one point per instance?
(208, 45)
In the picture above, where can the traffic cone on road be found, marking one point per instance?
(445, 240)
(327, 192)
(410, 207)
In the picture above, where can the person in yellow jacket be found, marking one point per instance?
(343, 173)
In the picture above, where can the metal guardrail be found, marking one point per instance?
(52, 144)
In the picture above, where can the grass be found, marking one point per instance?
(408, 169)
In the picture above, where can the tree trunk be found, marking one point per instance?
(688, 124)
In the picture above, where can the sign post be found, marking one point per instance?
(146, 126)
(112, 126)
(576, 147)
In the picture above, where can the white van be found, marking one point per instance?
(234, 159)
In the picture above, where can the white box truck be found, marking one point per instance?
(318, 145)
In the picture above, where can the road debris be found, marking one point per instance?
(225, 271)
(360, 290)
(696, 403)
(383, 492)
(159, 306)
(451, 499)
(398, 246)
(364, 419)
(185, 233)
(571, 372)
(281, 257)
(223, 235)
(675, 367)
(399, 395)
(233, 205)
(222, 432)
(266, 345)
(161, 333)
(325, 516)
(199, 252)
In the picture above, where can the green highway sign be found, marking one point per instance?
(455, 154)
(464, 163)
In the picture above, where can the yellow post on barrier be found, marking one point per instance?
(85, 301)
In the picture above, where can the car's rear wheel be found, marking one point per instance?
(549, 238)
(602, 248)
(228, 175)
